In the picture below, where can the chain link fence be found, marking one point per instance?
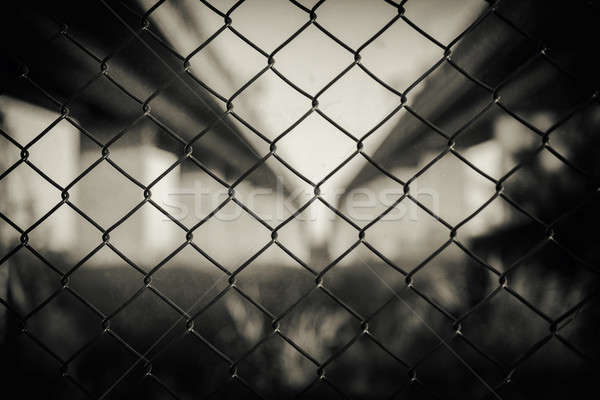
(411, 343)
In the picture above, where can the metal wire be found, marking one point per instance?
(187, 316)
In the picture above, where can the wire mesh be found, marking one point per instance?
(144, 35)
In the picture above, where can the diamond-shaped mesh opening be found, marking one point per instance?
(269, 93)
(415, 388)
(17, 121)
(295, 60)
(102, 204)
(582, 340)
(67, 228)
(34, 361)
(223, 6)
(132, 57)
(187, 36)
(408, 147)
(303, 235)
(235, 389)
(379, 132)
(319, 325)
(32, 196)
(271, 194)
(98, 377)
(189, 279)
(274, 272)
(200, 370)
(231, 224)
(407, 234)
(517, 336)
(365, 203)
(493, 38)
(280, 21)
(496, 142)
(155, 150)
(378, 376)
(92, 35)
(514, 234)
(67, 390)
(63, 54)
(232, 317)
(183, 106)
(321, 389)
(143, 320)
(459, 379)
(561, 381)
(188, 193)
(10, 154)
(34, 276)
(357, 102)
(357, 30)
(95, 280)
(10, 239)
(571, 138)
(103, 97)
(223, 73)
(423, 15)
(63, 168)
(64, 316)
(449, 177)
(138, 382)
(358, 270)
(291, 371)
(567, 285)
(541, 86)
(420, 332)
(234, 161)
(584, 218)
(467, 281)
(400, 55)
(565, 183)
(147, 229)
(449, 83)
(317, 163)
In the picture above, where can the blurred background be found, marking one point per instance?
(273, 199)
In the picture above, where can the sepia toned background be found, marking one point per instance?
(271, 198)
